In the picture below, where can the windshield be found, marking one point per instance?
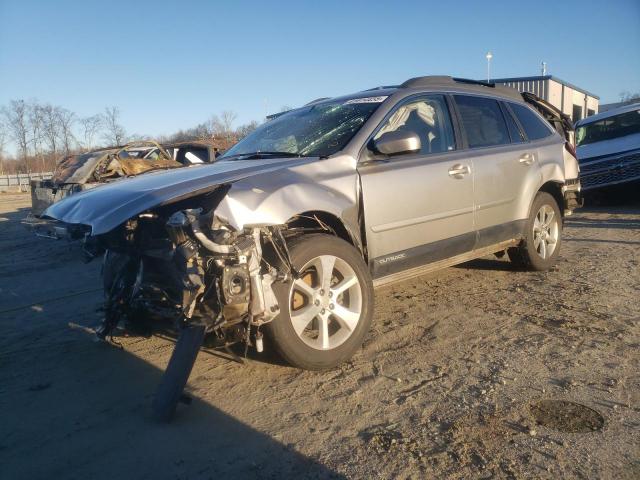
(609, 128)
(315, 130)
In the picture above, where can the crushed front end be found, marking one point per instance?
(187, 266)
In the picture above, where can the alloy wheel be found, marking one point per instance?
(325, 302)
(546, 231)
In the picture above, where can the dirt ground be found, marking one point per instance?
(477, 371)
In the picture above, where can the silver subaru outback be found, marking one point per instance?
(289, 232)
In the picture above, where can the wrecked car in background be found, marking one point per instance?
(199, 151)
(76, 173)
(288, 232)
(608, 148)
(83, 171)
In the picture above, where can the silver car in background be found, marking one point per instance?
(290, 230)
(608, 147)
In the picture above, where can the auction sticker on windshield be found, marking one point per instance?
(366, 100)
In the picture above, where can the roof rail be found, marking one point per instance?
(381, 87)
(444, 80)
(427, 81)
(474, 82)
(317, 100)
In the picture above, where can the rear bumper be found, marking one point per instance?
(572, 193)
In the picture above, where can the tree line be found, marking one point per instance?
(43, 134)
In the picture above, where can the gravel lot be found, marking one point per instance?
(477, 371)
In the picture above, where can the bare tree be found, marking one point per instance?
(3, 140)
(66, 119)
(41, 132)
(223, 124)
(244, 130)
(214, 126)
(90, 128)
(228, 117)
(36, 127)
(16, 119)
(51, 128)
(115, 133)
(199, 132)
(627, 96)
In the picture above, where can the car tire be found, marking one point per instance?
(323, 316)
(542, 237)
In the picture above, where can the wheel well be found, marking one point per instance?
(325, 221)
(555, 190)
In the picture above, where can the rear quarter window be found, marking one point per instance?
(534, 126)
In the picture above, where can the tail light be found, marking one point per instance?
(571, 149)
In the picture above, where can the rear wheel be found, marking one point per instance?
(327, 311)
(543, 235)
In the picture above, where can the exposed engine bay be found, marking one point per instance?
(187, 266)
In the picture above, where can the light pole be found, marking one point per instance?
(489, 57)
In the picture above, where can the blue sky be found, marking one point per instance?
(170, 65)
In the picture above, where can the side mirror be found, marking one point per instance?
(400, 141)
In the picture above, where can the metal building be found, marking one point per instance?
(572, 100)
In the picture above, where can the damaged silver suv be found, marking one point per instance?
(290, 230)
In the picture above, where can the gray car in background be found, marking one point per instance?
(290, 230)
(608, 147)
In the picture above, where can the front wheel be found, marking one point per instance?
(543, 235)
(325, 312)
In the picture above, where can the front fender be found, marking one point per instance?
(329, 186)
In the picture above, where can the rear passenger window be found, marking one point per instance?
(534, 127)
(516, 134)
(483, 121)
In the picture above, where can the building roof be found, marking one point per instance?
(544, 77)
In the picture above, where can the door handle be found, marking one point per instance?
(527, 159)
(458, 171)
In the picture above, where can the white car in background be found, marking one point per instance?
(608, 148)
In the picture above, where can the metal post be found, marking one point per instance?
(489, 57)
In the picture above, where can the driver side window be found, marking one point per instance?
(427, 117)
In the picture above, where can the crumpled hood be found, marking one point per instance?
(105, 207)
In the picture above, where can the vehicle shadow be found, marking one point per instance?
(85, 408)
(494, 264)
(590, 216)
(621, 196)
(10, 221)
(586, 222)
(72, 408)
(597, 240)
(233, 353)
